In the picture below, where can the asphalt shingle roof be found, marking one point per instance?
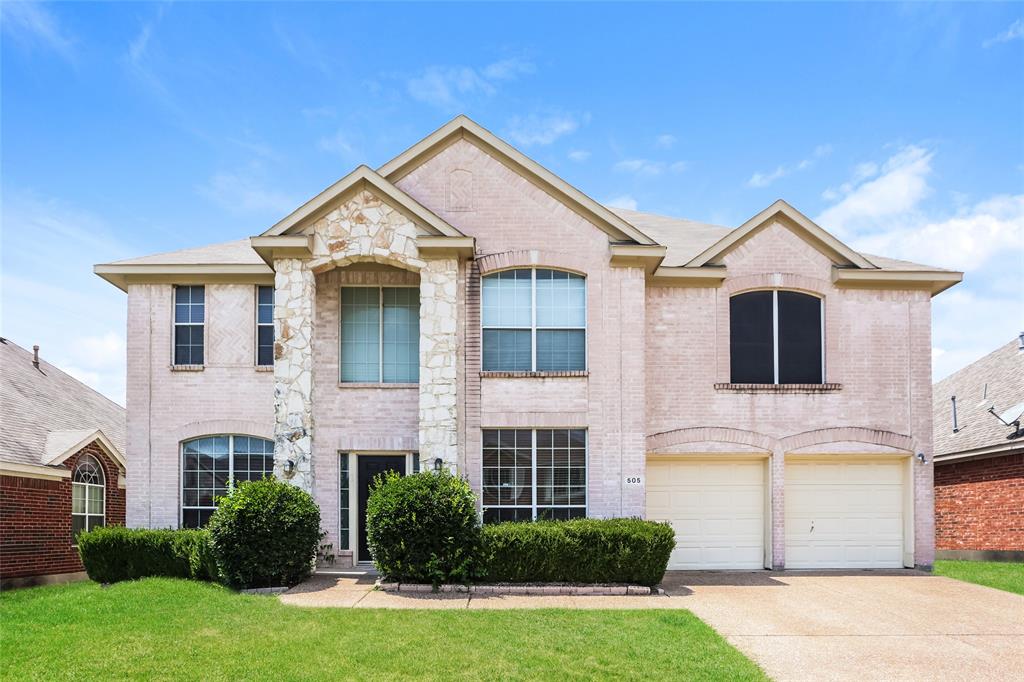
(43, 409)
(995, 380)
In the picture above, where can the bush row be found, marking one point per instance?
(425, 528)
(264, 534)
(112, 554)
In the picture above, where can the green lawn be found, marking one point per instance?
(171, 629)
(1002, 576)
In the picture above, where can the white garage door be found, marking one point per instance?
(716, 508)
(844, 513)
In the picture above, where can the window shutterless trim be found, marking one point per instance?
(86, 486)
(533, 328)
(775, 332)
(259, 324)
(175, 324)
(231, 470)
(380, 331)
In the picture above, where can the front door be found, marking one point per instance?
(369, 467)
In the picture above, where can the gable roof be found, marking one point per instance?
(462, 127)
(996, 380)
(364, 177)
(48, 415)
(801, 224)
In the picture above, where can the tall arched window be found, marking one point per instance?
(776, 337)
(88, 496)
(534, 320)
(211, 465)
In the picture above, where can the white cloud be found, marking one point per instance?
(541, 129)
(446, 87)
(77, 319)
(31, 24)
(881, 210)
(764, 179)
(508, 69)
(649, 168)
(898, 189)
(579, 155)
(622, 201)
(665, 141)
(247, 191)
(965, 241)
(337, 143)
(1014, 32)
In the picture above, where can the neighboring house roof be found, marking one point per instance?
(49, 415)
(671, 249)
(996, 380)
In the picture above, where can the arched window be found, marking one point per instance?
(88, 496)
(534, 320)
(776, 337)
(211, 465)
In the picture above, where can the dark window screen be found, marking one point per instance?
(752, 354)
(799, 338)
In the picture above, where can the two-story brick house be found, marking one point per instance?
(764, 388)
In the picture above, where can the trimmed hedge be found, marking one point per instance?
(265, 533)
(423, 528)
(578, 551)
(112, 554)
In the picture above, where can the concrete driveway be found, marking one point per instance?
(861, 626)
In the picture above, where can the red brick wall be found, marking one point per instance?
(979, 504)
(35, 520)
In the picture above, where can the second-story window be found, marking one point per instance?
(189, 317)
(534, 320)
(265, 326)
(776, 337)
(380, 335)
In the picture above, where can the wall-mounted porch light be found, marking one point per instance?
(438, 463)
(289, 468)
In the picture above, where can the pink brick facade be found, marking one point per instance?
(654, 357)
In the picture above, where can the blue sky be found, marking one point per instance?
(136, 128)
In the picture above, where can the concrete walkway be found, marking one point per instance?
(872, 625)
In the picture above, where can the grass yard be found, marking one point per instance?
(173, 629)
(1002, 576)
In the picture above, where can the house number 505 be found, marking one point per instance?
(634, 480)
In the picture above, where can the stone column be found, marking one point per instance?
(294, 302)
(438, 357)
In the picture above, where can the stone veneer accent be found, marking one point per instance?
(295, 292)
(364, 229)
(438, 356)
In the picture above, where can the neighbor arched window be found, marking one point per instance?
(211, 465)
(776, 337)
(88, 496)
(534, 320)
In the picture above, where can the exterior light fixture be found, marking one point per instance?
(921, 458)
(438, 463)
(289, 467)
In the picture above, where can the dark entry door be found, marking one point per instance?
(369, 467)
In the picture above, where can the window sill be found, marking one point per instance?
(187, 368)
(356, 384)
(778, 388)
(532, 375)
(264, 368)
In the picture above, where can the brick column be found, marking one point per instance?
(438, 429)
(294, 303)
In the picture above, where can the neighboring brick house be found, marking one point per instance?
(764, 388)
(62, 467)
(979, 459)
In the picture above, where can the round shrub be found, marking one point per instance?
(265, 534)
(423, 528)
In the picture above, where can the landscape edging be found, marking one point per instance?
(564, 590)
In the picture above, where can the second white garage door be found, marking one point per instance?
(844, 513)
(716, 507)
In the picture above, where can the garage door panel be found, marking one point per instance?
(716, 509)
(844, 514)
